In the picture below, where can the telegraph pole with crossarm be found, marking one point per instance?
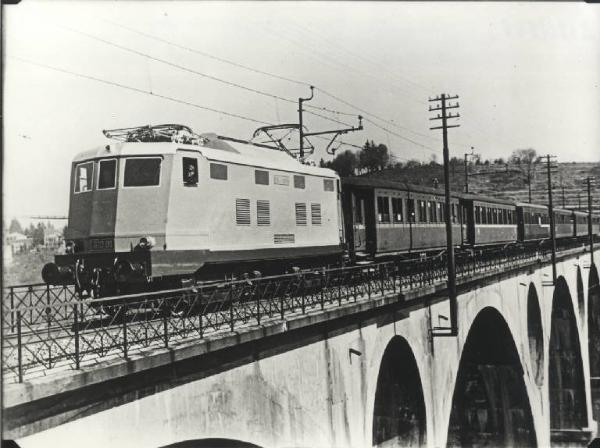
(443, 104)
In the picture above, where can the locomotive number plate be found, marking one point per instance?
(101, 244)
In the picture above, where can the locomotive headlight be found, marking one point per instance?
(69, 247)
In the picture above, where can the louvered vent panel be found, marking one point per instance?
(263, 213)
(300, 214)
(242, 212)
(315, 214)
(284, 238)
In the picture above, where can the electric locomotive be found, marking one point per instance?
(161, 206)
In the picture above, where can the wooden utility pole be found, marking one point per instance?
(589, 180)
(551, 213)
(442, 105)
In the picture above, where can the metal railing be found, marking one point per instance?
(49, 328)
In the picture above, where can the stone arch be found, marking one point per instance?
(399, 418)
(566, 383)
(490, 405)
(535, 335)
(580, 296)
(212, 443)
(594, 338)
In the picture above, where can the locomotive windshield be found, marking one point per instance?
(142, 172)
(83, 177)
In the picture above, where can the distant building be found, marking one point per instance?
(52, 238)
(18, 242)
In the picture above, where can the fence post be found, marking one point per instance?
(12, 309)
(340, 289)
(322, 283)
(303, 289)
(198, 299)
(258, 307)
(369, 283)
(231, 326)
(381, 275)
(281, 304)
(19, 348)
(76, 327)
(124, 317)
(166, 326)
(354, 286)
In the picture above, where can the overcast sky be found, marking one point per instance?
(527, 74)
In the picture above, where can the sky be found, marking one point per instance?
(527, 75)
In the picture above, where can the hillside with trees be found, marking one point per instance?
(521, 176)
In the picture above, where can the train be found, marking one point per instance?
(162, 207)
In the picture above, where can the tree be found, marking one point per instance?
(373, 157)
(525, 160)
(345, 163)
(15, 226)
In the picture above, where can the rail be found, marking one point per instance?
(48, 328)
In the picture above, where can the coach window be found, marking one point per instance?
(431, 211)
(495, 216)
(190, 171)
(107, 174)
(358, 211)
(261, 177)
(397, 209)
(410, 209)
(477, 214)
(422, 211)
(218, 171)
(383, 209)
(142, 172)
(83, 177)
(440, 213)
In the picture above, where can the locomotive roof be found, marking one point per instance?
(372, 182)
(215, 149)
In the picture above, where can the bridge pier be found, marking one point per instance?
(518, 373)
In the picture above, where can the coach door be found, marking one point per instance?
(364, 232)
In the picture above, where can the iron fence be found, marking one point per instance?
(48, 328)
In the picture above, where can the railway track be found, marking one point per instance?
(48, 329)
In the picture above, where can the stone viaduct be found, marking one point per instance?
(524, 370)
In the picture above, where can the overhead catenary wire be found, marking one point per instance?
(207, 55)
(138, 90)
(178, 66)
(333, 120)
(245, 67)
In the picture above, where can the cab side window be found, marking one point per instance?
(190, 171)
(107, 174)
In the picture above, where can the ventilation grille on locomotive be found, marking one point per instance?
(300, 214)
(315, 214)
(284, 238)
(242, 212)
(263, 213)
